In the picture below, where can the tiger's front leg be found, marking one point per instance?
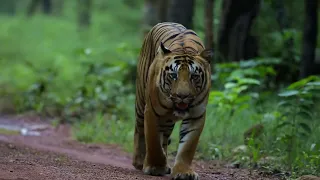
(155, 162)
(190, 132)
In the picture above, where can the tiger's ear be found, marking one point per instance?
(163, 50)
(207, 54)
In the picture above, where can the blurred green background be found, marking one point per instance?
(75, 62)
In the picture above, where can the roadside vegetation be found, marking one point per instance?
(259, 115)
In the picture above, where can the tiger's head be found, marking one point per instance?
(184, 78)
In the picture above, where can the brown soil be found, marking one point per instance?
(54, 155)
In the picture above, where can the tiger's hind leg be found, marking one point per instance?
(139, 151)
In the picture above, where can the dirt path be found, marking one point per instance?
(54, 155)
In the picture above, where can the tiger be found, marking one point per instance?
(173, 83)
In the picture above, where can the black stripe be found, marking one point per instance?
(169, 121)
(192, 48)
(162, 76)
(180, 57)
(166, 126)
(171, 37)
(154, 111)
(186, 121)
(190, 32)
(167, 135)
(199, 102)
(183, 133)
(162, 105)
(140, 124)
(140, 116)
(197, 42)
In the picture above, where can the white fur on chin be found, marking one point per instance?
(180, 114)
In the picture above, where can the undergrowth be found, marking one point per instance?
(87, 79)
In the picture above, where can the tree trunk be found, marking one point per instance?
(58, 7)
(84, 13)
(309, 39)
(181, 11)
(285, 70)
(208, 18)
(47, 6)
(155, 11)
(32, 7)
(8, 7)
(235, 42)
(162, 10)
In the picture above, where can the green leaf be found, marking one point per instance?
(305, 127)
(241, 88)
(286, 123)
(306, 102)
(317, 83)
(215, 96)
(288, 93)
(242, 99)
(304, 107)
(249, 81)
(305, 115)
(302, 135)
(230, 85)
(216, 93)
(284, 104)
(302, 82)
(313, 145)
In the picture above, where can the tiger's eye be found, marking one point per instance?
(173, 76)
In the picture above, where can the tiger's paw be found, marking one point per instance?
(168, 170)
(155, 171)
(138, 161)
(188, 174)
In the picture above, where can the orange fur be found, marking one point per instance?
(173, 83)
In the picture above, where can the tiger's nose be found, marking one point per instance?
(183, 96)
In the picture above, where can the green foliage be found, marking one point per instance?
(241, 80)
(295, 124)
(260, 69)
(88, 77)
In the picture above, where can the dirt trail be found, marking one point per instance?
(54, 155)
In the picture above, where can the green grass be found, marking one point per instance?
(52, 43)
(9, 132)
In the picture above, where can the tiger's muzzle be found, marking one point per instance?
(182, 101)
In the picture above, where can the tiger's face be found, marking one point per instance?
(183, 78)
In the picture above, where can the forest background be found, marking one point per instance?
(75, 62)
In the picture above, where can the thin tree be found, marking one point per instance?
(8, 7)
(155, 11)
(182, 11)
(32, 7)
(84, 13)
(285, 72)
(309, 39)
(208, 18)
(46, 6)
(234, 41)
(58, 7)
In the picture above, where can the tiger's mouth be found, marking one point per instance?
(182, 106)
(181, 110)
